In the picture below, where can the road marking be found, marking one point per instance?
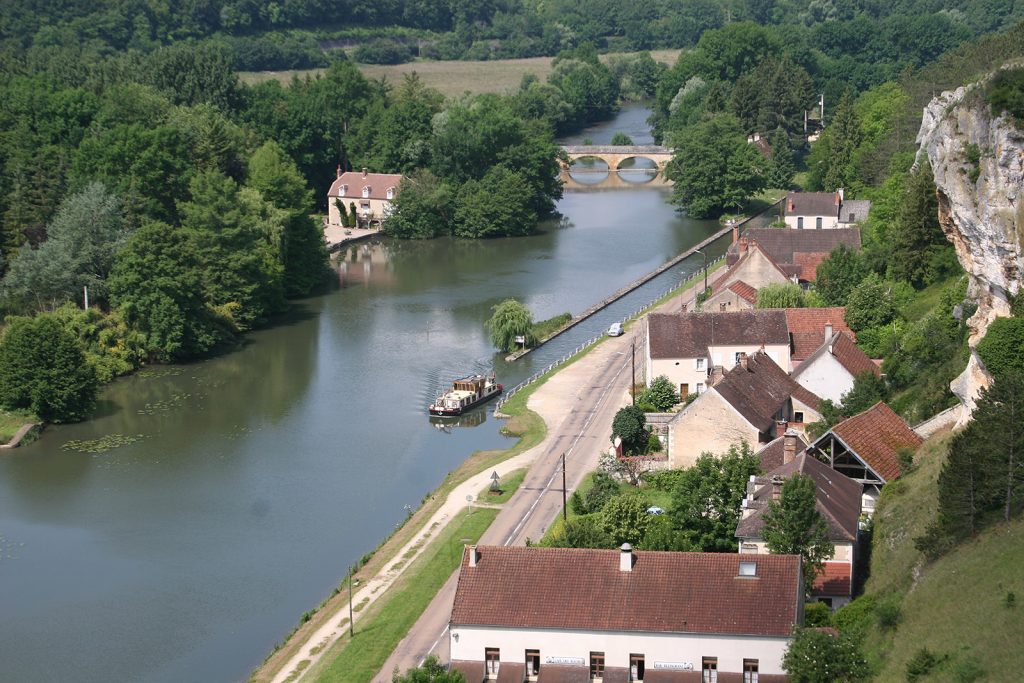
(529, 513)
(434, 646)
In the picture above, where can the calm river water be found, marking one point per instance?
(259, 477)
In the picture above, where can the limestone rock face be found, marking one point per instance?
(978, 163)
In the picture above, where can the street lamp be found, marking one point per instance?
(705, 268)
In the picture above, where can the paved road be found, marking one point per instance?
(601, 387)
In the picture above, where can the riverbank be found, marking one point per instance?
(319, 646)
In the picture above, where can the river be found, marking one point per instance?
(256, 478)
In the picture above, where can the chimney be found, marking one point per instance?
(717, 373)
(472, 555)
(743, 245)
(789, 442)
(339, 170)
(838, 198)
(776, 487)
(743, 360)
(828, 330)
(781, 426)
(792, 206)
(364, 171)
(735, 233)
(626, 558)
(842, 195)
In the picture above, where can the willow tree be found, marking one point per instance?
(511, 319)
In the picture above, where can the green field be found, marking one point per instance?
(452, 78)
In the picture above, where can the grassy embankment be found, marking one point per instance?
(958, 608)
(13, 420)
(453, 78)
(508, 486)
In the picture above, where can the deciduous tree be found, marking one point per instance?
(780, 295)
(43, 369)
(629, 425)
(818, 656)
(793, 526)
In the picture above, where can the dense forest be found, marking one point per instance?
(286, 35)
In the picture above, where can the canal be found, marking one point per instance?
(180, 534)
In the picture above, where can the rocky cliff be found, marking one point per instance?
(978, 163)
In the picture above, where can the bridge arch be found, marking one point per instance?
(614, 155)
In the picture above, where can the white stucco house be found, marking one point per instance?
(685, 347)
(831, 370)
(823, 210)
(555, 615)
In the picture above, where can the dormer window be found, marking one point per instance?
(748, 568)
(343, 191)
(391, 193)
(366, 191)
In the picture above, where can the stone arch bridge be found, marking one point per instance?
(613, 155)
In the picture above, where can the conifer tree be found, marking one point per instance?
(844, 136)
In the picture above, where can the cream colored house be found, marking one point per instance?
(566, 614)
(823, 210)
(370, 194)
(838, 502)
(685, 347)
(796, 252)
(754, 402)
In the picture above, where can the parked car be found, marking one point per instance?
(615, 330)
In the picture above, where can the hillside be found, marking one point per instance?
(957, 608)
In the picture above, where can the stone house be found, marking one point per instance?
(796, 253)
(866, 449)
(755, 402)
(555, 615)
(370, 193)
(838, 501)
(823, 210)
(736, 289)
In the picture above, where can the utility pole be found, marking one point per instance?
(351, 630)
(565, 513)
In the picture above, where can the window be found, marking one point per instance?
(736, 357)
(366, 191)
(798, 416)
(596, 665)
(700, 388)
(532, 664)
(799, 222)
(699, 364)
(709, 669)
(748, 569)
(492, 661)
(817, 223)
(636, 667)
(391, 193)
(749, 671)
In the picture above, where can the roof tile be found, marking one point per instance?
(688, 335)
(673, 592)
(378, 184)
(875, 436)
(807, 328)
(760, 389)
(835, 580)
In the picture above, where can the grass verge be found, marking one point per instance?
(388, 620)
(509, 485)
(545, 327)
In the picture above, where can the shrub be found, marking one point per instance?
(857, 617)
(889, 613)
(817, 614)
(1000, 349)
(1006, 93)
(921, 664)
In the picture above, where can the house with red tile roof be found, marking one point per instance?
(866, 448)
(369, 194)
(555, 615)
(796, 252)
(838, 501)
(736, 289)
(755, 402)
(809, 328)
(831, 370)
